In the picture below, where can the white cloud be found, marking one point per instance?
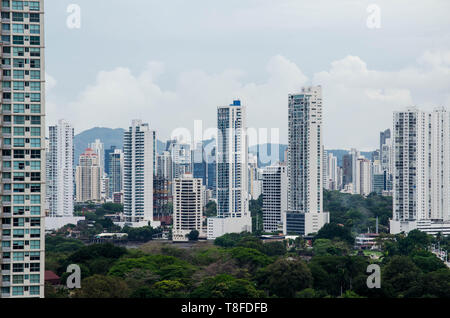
(358, 101)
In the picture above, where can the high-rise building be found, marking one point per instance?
(364, 174)
(99, 149)
(331, 172)
(115, 175)
(232, 184)
(421, 171)
(138, 149)
(22, 149)
(199, 163)
(187, 207)
(88, 178)
(109, 151)
(181, 159)
(164, 163)
(305, 195)
(60, 171)
(275, 185)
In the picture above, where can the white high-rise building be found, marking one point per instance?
(231, 174)
(364, 175)
(138, 149)
(188, 201)
(332, 173)
(99, 149)
(275, 188)
(421, 171)
(355, 155)
(60, 170)
(22, 150)
(305, 195)
(88, 178)
(181, 159)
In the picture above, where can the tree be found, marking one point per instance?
(401, 274)
(285, 277)
(99, 286)
(193, 235)
(226, 286)
(333, 231)
(211, 209)
(169, 289)
(323, 247)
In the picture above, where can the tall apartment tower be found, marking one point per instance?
(421, 171)
(138, 143)
(22, 149)
(305, 196)
(99, 149)
(88, 177)
(231, 173)
(187, 206)
(275, 185)
(60, 170)
(364, 175)
(115, 162)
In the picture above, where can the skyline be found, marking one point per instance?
(364, 72)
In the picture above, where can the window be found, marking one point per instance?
(36, 199)
(35, 97)
(17, 279)
(6, 84)
(35, 29)
(19, 120)
(35, 75)
(35, 108)
(35, 278)
(34, 5)
(19, 142)
(35, 142)
(18, 51)
(19, 109)
(19, 199)
(17, 16)
(35, 86)
(35, 210)
(18, 63)
(35, 245)
(35, 233)
(35, 51)
(35, 40)
(19, 97)
(18, 39)
(35, 120)
(35, 131)
(34, 17)
(35, 188)
(17, 290)
(17, 5)
(35, 63)
(36, 165)
(17, 28)
(19, 86)
(18, 74)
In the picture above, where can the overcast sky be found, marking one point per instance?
(170, 62)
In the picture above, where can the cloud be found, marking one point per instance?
(358, 101)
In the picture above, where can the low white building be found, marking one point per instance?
(218, 227)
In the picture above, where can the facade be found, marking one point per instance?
(364, 174)
(332, 175)
(187, 207)
(107, 156)
(181, 159)
(138, 143)
(421, 170)
(275, 184)
(199, 163)
(231, 174)
(99, 149)
(22, 143)
(115, 162)
(88, 178)
(305, 196)
(60, 171)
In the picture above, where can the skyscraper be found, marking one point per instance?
(232, 185)
(99, 149)
(88, 177)
(305, 195)
(138, 143)
(421, 171)
(275, 185)
(116, 162)
(187, 206)
(107, 156)
(60, 171)
(22, 143)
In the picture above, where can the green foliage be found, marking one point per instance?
(401, 274)
(357, 212)
(193, 235)
(324, 247)
(226, 286)
(333, 231)
(249, 257)
(231, 239)
(60, 244)
(98, 286)
(211, 209)
(140, 234)
(285, 277)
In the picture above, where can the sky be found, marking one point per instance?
(171, 62)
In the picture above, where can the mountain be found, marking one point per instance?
(109, 137)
